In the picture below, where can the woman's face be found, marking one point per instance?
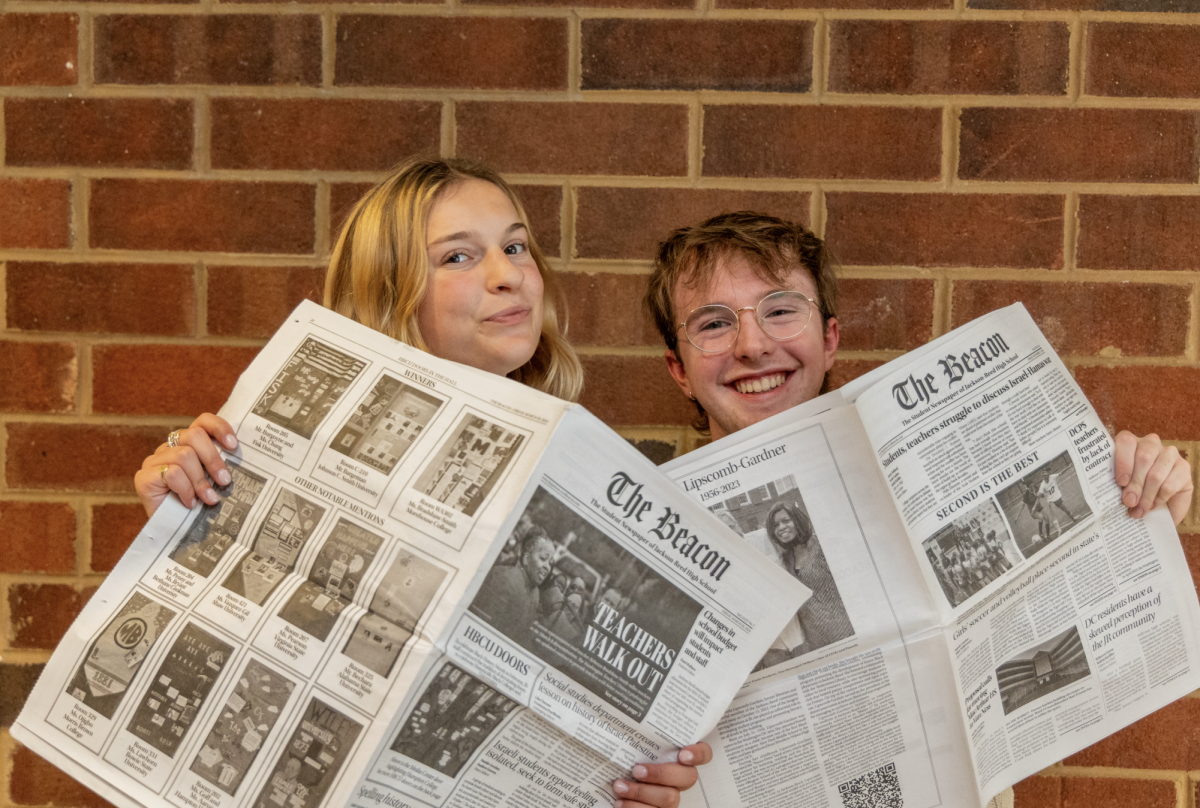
(538, 560)
(784, 528)
(483, 304)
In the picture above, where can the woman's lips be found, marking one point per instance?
(513, 314)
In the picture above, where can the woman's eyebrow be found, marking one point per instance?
(466, 234)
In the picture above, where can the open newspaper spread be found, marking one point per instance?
(425, 586)
(982, 605)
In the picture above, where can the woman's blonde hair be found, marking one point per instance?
(380, 268)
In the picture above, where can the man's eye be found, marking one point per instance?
(781, 311)
(714, 324)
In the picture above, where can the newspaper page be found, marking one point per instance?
(1041, 618)
(403, 532)
(1066, 619)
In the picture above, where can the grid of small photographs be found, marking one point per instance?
(307, 387)
(115, 658)
(386, 423)
(469, 463)
(453, 716)
(179, 689)
(249, 715)
(217, 527)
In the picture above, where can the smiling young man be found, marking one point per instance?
(743, 345)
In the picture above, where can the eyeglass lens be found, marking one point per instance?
(781, 315)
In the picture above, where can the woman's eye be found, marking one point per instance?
(516, 249)
(455, 258)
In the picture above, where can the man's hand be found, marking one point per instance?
(1151, 475)
(658, 784)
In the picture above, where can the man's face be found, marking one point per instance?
(784, 373)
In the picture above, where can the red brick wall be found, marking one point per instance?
(170, 176)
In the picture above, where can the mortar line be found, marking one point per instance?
(1070, 244)
(568, 211)
(448, 140)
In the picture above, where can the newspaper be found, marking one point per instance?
(424, 585)
(982, 605)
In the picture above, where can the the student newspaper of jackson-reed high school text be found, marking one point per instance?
(982, 605)
(425, 585)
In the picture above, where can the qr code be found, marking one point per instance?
(877, 789)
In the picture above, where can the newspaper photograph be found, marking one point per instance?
(311, 629)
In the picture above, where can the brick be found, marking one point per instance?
(48, 373)
(1078, 145)
(342, 196)
(847, 370)
(36, 782)
(247, 217)
(242, 49)
(567, 138)
(951, 57)
(543, 208)
(1094, 792)
(765, 56)
(165, 379)
(1166, 739)
(1088, 5)
(612, 380)
(77, 457)
(479, 53)
(1145, 399)
(1130, 60)
(99, 132)
(989, 230)
(36, 214)
(114, 527)
(887, 5)
(631, 222)
(606, 310)
(666, 4)
(348, 135)
(102, 298)
(892, 143)
(42, 613)
(37, 537)
(254, 301)
(16, 683)
(889, 314)
(1077, 317)
(1139, 232)
(656, 451)
(39, 49)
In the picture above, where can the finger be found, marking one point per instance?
(696, 755)
(1156, 476)
(1126, 443)
(206, 451)
(635, 795)
(1144, 454)
(1181, 503)
(675, 775)
(151, 489)
(219, 428)
(185, 475)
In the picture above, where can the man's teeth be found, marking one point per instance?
(761, 384)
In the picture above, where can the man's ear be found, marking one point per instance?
(831, 342)
(678, 373)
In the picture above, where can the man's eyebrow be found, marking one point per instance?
(466, 234)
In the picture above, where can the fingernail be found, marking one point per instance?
(231, 441)
(1124, 481)
(639, 771)
(686, 757)
(210, 496)
(223, 477)
(621, 787)
(1138, 512)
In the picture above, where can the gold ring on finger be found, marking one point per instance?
(162, 473)
(173, 439)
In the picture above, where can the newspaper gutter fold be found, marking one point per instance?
(958, 514)
(413, 592)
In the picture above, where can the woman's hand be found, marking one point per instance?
(1151, 474)
(657, 785)
(181, 468)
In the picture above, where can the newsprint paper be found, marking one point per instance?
(425, 586)
(982, 605)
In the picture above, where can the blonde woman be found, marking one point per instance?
(438, 255)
